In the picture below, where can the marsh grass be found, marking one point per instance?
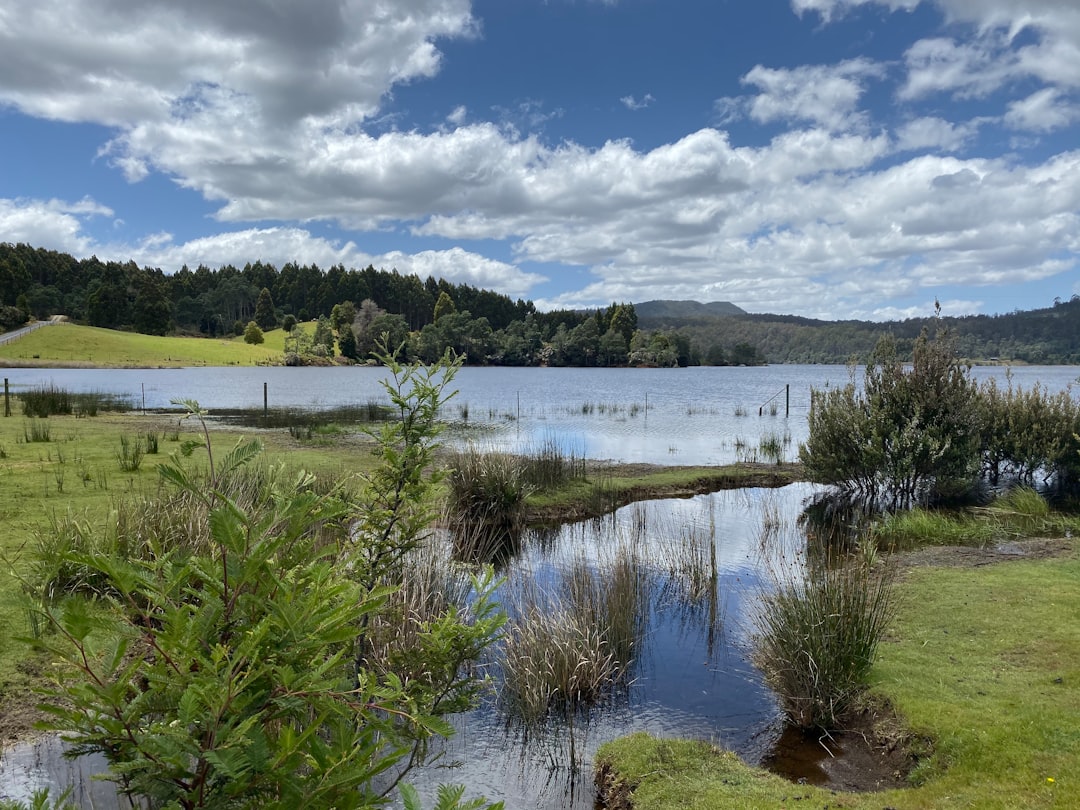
(818, 631)
(1021, 512)
(51, 400)
(131, 452)
(550, 466)
(37, 430)
(915, 528)
(572, 642)
(150, 442)
(485, 503)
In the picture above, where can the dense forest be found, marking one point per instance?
(353, 307)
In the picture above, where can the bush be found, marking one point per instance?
(253, 334)
(227, 672)
(911, 433)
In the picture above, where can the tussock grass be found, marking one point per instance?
(568, 645)
(817, 635)
(485, 503)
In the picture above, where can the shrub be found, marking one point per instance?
(911, 433)
(229, 674)
(253, 334)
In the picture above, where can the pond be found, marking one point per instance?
(691, 674)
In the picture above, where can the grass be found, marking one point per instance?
(69, 344)
(985, 662)
(1021, 512)
(569, 644)
(818, 632)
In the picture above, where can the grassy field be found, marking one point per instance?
(985, 662)
(70, 344)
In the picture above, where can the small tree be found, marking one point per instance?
(227, 673)
(288, 323)
(444, 306)
(253, 334)
(911, 433)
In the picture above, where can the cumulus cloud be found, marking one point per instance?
(934, 133)
(827, 95)
(54, 223)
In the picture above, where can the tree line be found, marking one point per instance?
(1049, 335)
(353, 309)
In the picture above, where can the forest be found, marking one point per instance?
(356, 306)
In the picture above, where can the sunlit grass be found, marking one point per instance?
(70, 344)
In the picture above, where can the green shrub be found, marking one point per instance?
(912, 431)
(227, 672)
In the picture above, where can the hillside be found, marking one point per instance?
(690, 310)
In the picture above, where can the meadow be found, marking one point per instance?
(74, 345)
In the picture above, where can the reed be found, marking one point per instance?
(550, 466)
(574, 641)
(485, 503)
(37, 430)
(49, 400)
(817, 634)
(130, 454)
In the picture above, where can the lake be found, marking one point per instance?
(692, 675)
(700, 415)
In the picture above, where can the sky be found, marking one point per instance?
(825, 158)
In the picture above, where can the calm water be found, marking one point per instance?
(692, 677)
(698, 415)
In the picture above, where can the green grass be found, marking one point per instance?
(69, 344)
(985, 662)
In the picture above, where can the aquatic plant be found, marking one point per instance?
(817, 633)
(485, 503)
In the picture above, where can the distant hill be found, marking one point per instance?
(686, 309)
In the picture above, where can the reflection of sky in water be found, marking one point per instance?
(689, 681)
(659, 416)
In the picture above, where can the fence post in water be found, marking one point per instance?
(7, 400)
(264, 400)
(143, 397)
(787, 400)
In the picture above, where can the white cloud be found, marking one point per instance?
(53, 223)
(934, 133)
(632, 103)
(328, 62)
(827, 95)
(1042, 111)
(831, 9)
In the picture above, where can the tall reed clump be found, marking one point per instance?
(817, 636)
(551, 466)
(485, 503)
(571, 644)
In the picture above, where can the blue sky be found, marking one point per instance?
(826, 158)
